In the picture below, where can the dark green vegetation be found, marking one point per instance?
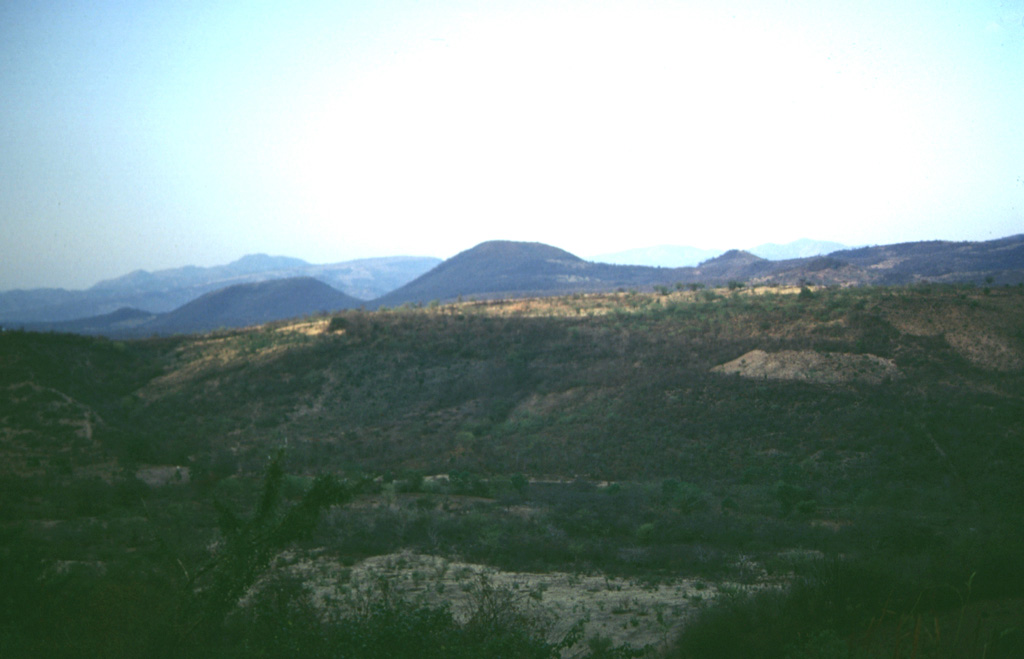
(585, 434)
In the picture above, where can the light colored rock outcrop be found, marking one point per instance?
(811, 366)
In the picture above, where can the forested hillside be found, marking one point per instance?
(856, 451)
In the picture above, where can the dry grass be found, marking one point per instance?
(983, 332)
(811, 366)
(309, 328)
(626, 611)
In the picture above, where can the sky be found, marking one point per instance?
(151, 135)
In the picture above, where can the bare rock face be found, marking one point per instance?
(811, 366)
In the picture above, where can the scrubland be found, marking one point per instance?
(686, 473)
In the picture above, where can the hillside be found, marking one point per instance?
(630, 459)
(1000, 261)
(123, 322)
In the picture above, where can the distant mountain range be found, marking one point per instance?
(676, 256)
(509, 269)
(165, 290)
(504, 269)
(239, 305)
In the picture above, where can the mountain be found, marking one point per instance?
(240, 305)
(252, 304)
(191, 276)
(500, 268)
(733, 265)
(998, 261)
(503, 269)
(252, 263)
(798, 249)
(143, 281)
(665, 256)
(361, 278)
(165, 290)
(367, 279)
(123, 322)
(676, 256)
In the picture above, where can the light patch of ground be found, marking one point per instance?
(156, 476)
(987, 350)
(592, 303)
(811, 366)
(887, 264)
(772, 290)
(626, 611)
(973, 332)
(545, 404)
(204, 356)
(311, 328)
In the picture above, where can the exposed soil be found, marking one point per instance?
(625, 611)
(983, 333)
(811, 366)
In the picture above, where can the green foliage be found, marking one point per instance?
(250, 544)
(466, 482)
(850, 609)
(684, 496)
(646, 533)
(520, 483)
(527, 411)
(792, 497)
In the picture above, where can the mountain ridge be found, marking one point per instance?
(162, 291)
(500, 269)
(238, 305)
(509, 269)
(679, 256)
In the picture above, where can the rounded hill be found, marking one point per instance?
(502, 268)
(255, 303)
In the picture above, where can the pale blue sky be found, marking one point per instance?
(159, 134)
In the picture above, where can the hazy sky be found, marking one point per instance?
(159, 134)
